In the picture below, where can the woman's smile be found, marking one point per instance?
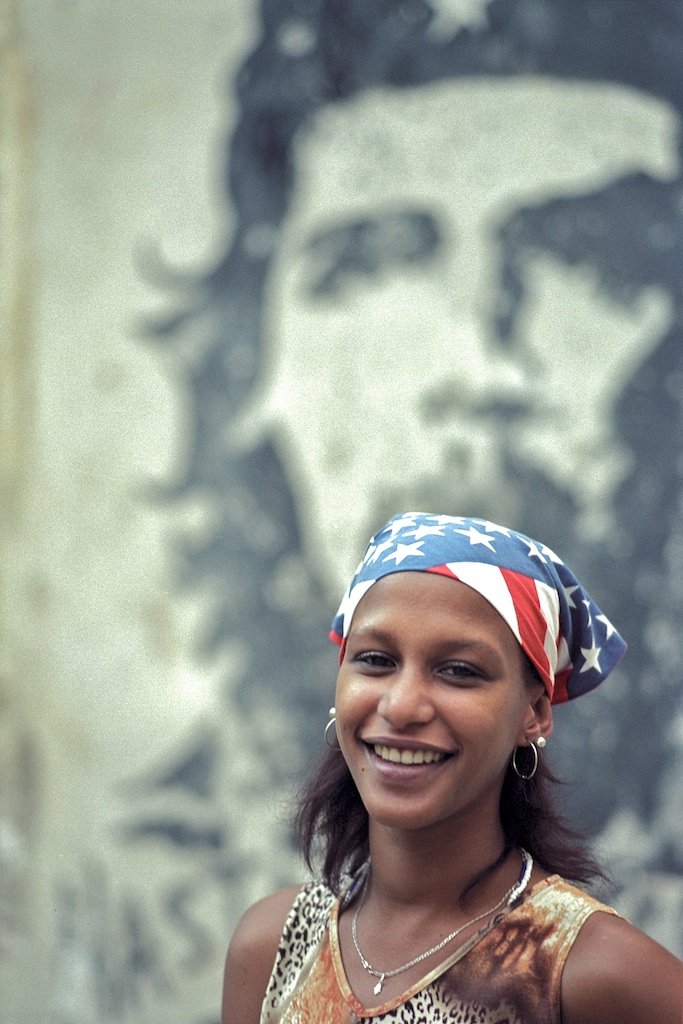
(398, 755)
(404, 767)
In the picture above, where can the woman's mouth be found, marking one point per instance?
(401, 756)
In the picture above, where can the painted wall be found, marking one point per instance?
(269, 276)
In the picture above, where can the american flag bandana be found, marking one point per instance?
(572, 645)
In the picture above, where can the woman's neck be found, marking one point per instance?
(435, 865)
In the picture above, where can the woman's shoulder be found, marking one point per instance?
(262, 924)
(615, 974)
(251, 956)
(300, 911)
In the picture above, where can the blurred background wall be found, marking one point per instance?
(271, 273)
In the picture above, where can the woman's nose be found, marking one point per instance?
(406, 700)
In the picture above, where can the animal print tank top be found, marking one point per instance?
(509, 972)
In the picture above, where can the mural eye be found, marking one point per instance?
(363, 248)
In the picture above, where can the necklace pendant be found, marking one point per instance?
(378, 987)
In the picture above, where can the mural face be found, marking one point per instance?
(386, 367)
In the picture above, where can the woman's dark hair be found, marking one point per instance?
(331, 823)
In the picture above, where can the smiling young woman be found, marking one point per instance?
(445, 892)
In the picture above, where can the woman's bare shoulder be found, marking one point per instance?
(251, 956)
(615, 974)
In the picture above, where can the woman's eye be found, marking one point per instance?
(373, 659)
(460, 670)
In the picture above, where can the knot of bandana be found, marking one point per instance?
(572, 645)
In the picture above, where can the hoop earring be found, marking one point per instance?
(533, 771)
(332, 724)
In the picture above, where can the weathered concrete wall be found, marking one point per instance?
(112, 123)
(265, 281)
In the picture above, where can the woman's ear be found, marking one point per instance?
(544, 717)
(538, 720)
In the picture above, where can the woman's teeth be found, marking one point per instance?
(407, 756)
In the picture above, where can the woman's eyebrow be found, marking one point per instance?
(364, 247)
(371, 633)
(365, 633)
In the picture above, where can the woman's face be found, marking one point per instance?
(431, 701)
(384, 370)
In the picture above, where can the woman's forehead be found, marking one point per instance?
(423, 596)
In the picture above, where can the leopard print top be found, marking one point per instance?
(509, 972)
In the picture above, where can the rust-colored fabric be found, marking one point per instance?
(507, 973)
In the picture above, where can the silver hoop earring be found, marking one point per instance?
(533, 771)
(332, 725)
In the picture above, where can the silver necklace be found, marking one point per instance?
(510, 896)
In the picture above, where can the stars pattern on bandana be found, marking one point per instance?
(609, 628)
(405, 551)
(549, 553)
(374, 551)
(427, 531)
(475, 537)
(495, 528)
(448, 520)
(591, 655)
(533, 549)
